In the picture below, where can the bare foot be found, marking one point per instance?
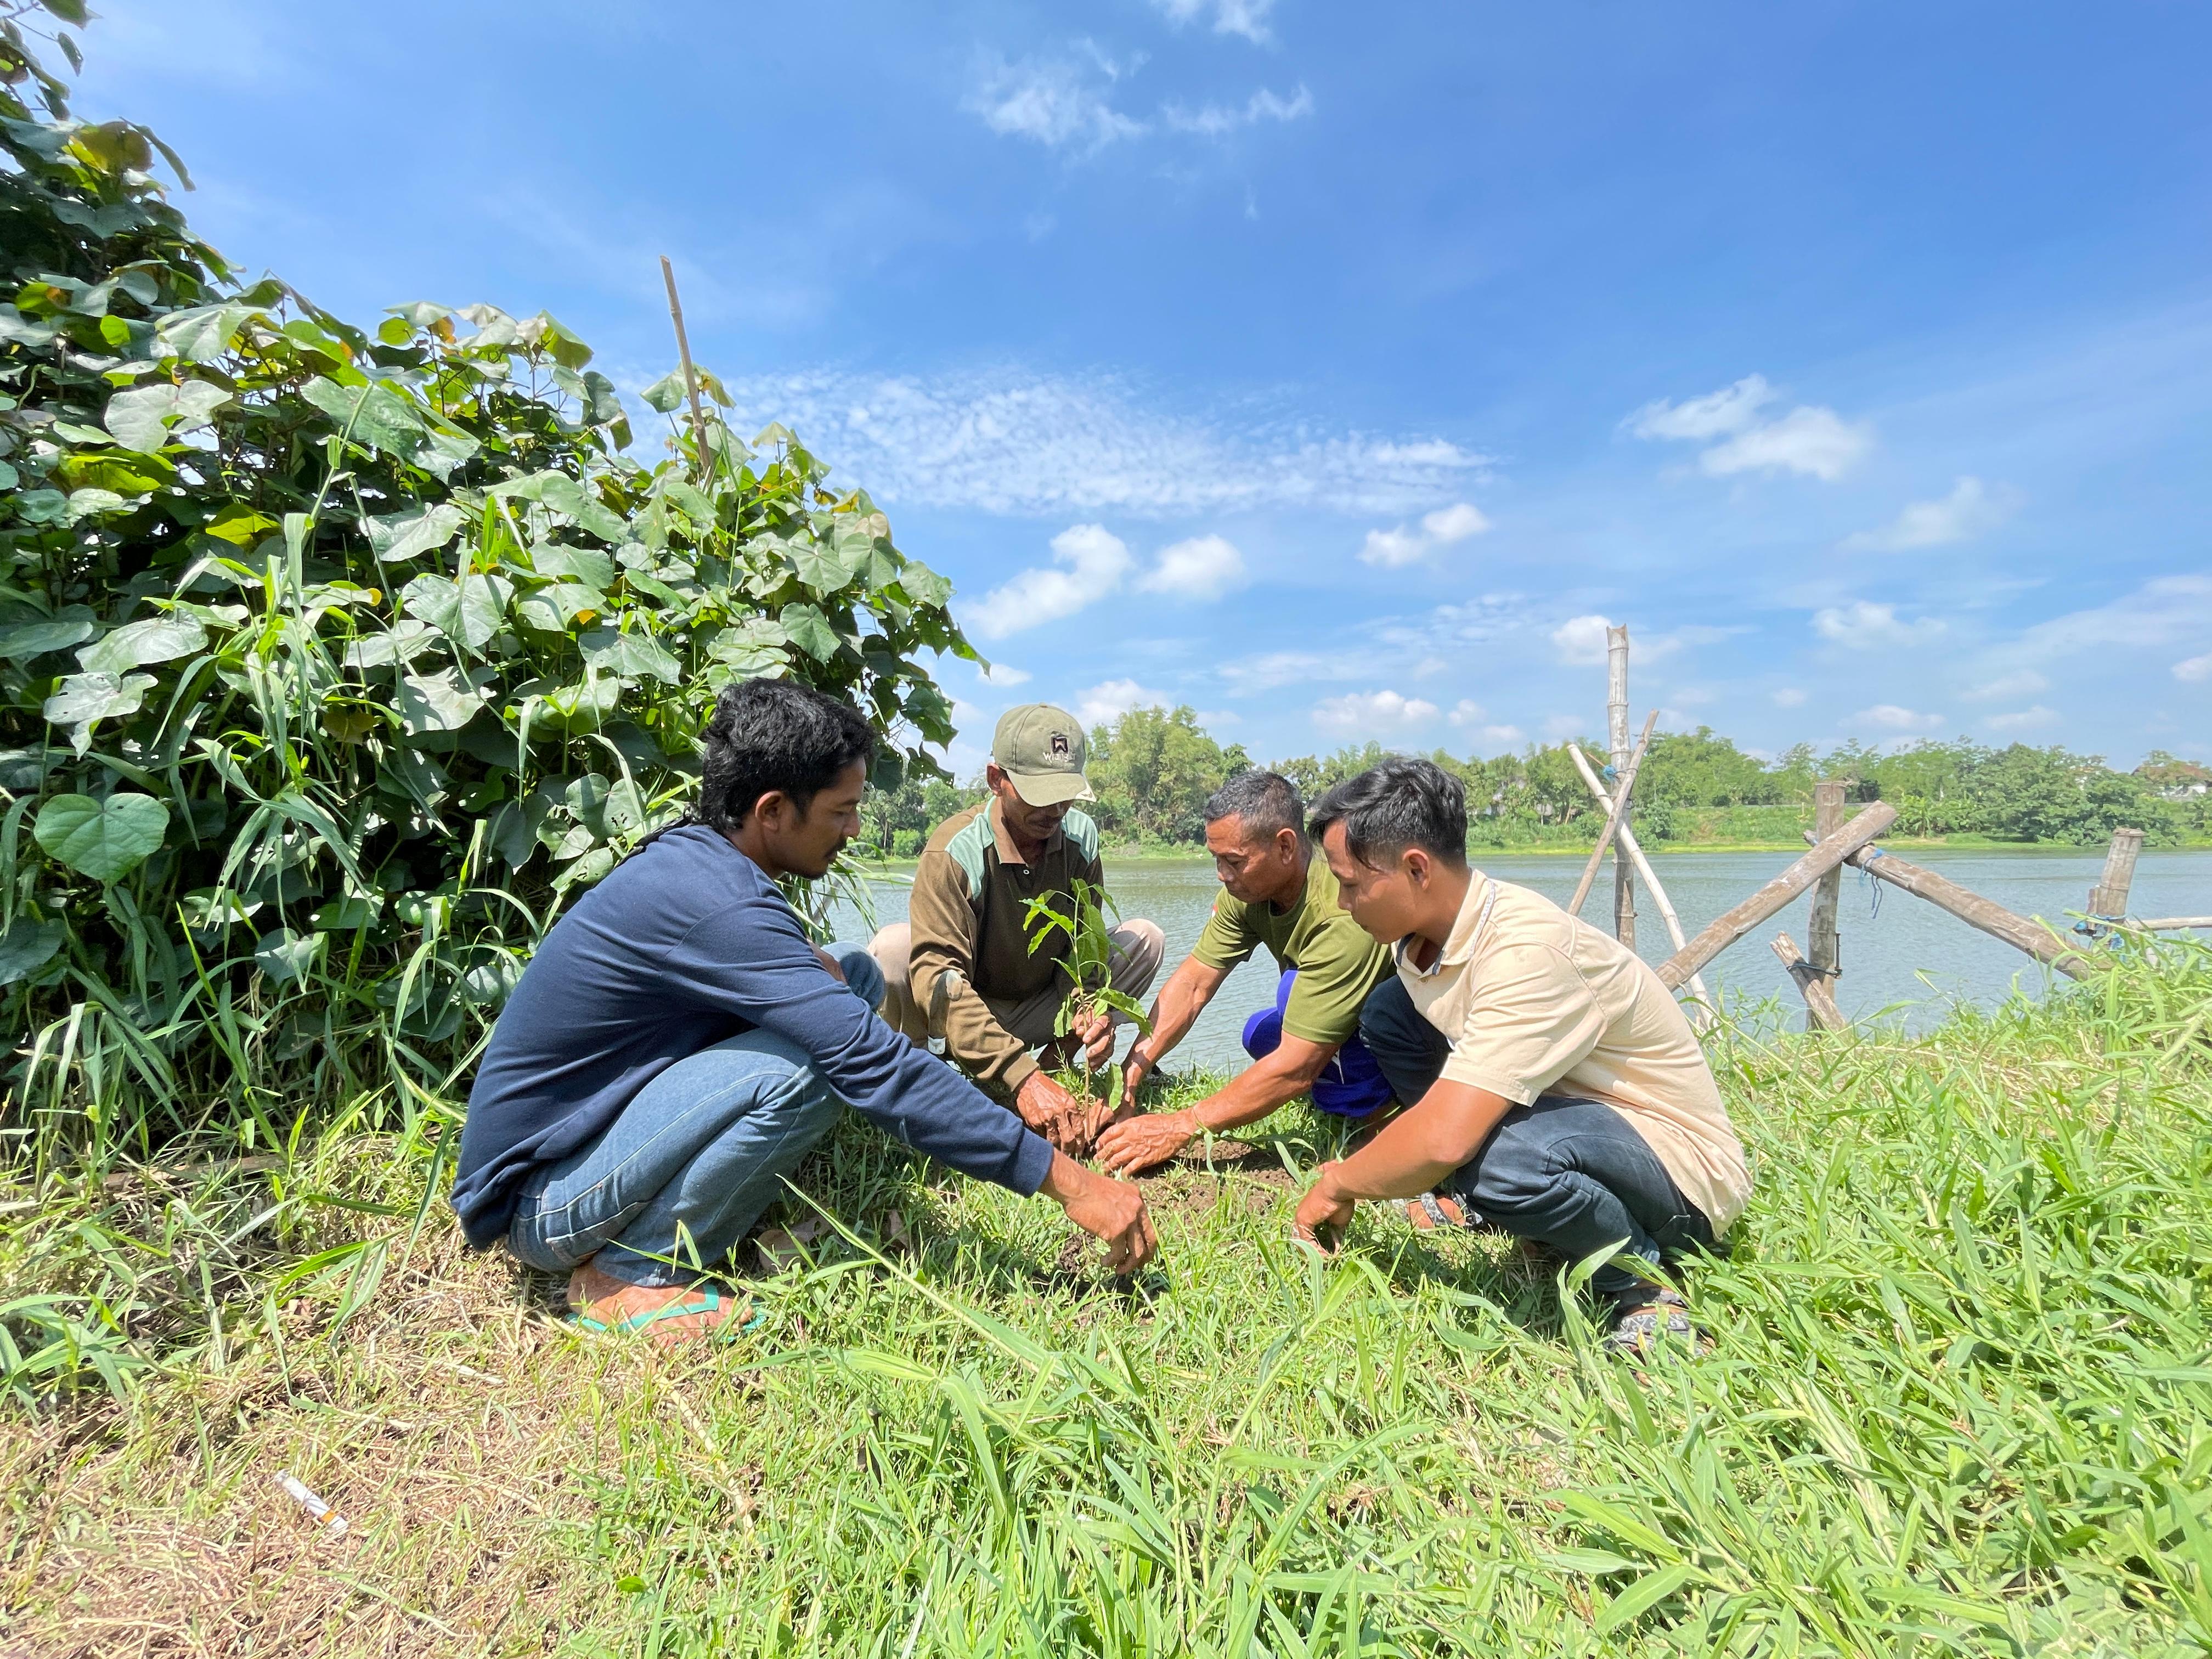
(620, 1305)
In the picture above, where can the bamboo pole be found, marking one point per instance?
(1616, 722)
(1821, 952)
(690, 374)
(1614, 813)
(1626, 840)
(1820, 1008)
(1974, 910)
(2169, 924)
(1725, 930)
(2108, 899)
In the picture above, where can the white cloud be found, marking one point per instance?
(1249, 675)
(1248, 18)
(1004, 674)
(1447, 525)
(1716, 415)
(1096, 562)
(1789, 696)
(1203, 567)
(2194, 668)
(1007, 441)
(2023, 683)
(1506, 734)
(2163, 611)
(1864, 626)
(1580, 641)
(1382, 712)
(1051, 102)
(1695, 697)
(1564, 726)
(1103, 704)
(1972, 509)
(1217, 120)
(1892, 718)
(1466, 712)
(1448, 630)
(1809, 439)
(1815, 441)
(2021, 720)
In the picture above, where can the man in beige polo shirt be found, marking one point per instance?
(1555, 1090)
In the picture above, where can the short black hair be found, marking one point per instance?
(1403, 803)
(1265, 803)
(770, 735)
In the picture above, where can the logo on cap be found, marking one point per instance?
(1060, 743)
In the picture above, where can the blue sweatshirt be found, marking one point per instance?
(685, 944)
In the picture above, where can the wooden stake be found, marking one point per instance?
(1821, 954)
(690, 374)
(1626, 840)
(1820, 1008)
(2169, 924)
(1612, 817)
(1616, 721)
(2109, 897)
(1974, 910)
(1728, 929)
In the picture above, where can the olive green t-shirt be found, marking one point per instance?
(1339, 962)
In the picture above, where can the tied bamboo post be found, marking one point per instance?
(1970, 907)
(1626, 842)
(1726, 930)
(1616, 722)
(1821, 1010)
(2108, 899)
(1823, 955)
(1615, 812)
(690, 374)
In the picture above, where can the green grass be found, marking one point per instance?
(1959, 1402)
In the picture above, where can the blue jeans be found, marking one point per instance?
(1566, 1172)
(682, 1176)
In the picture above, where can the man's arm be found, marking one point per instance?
(1140, 1142)
(1176, 1008)
(1407, 1158)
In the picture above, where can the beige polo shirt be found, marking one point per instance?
(1537, 1002)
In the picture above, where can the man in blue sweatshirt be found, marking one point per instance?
(675, 1046)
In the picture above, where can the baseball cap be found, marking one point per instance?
(1041, 748)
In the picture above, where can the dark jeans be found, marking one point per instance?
(1566, 1172)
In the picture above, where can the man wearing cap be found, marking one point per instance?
(967, 926)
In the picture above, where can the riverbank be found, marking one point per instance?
(1972, 1289)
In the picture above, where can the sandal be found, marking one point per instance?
(711, 1303)
(1665, 1319)
(1433, 1205)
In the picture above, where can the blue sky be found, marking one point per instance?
(1337, 370)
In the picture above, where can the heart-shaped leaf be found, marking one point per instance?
(402, 536)
(468, 610)
(443, 702)
(285, 956)
(810, 630)
(34, 636)
(102, 839)
(27, 946)
(142, 418)
(135, 645)
(587, 565)
(633, 656)
(84, 699)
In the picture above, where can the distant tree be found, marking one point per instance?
(1697, 769)
(1152, 771)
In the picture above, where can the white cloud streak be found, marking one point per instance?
(1247, 18)
(1050, 102)
(1203, 567)
(1103, 704)
(1972, 508)
(2022, 720)
(1447, 527)
(1218, 120)
(1810, 439)
(2025, 682)
(1373, 711)
(1889, 717)
(1093, 563)
(1010, 442)
(1864, 626)
(2194, 669)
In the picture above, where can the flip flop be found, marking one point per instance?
(1437, 1218)
(638, 1321)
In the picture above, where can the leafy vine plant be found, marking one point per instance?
(334, 660)
(1089, 966)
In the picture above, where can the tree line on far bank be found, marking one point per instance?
(1152, 769)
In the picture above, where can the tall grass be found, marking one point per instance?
(1958, 1403)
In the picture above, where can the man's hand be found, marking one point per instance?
(1324, 1212)
(1054, 1113)
(1096, 1034)
(1111, 1210)
(1149, 1138)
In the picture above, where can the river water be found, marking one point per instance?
(1903, 959)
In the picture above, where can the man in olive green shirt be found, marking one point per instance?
(968, 928)
(1277, 891)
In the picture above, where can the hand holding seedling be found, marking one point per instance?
(1086, 1013)
(1325, 1212)
(1067, 1120)
(1147, 1138)
(1110, 1210)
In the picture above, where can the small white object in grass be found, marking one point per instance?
(333, 1523)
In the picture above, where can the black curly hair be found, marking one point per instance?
(770, 735)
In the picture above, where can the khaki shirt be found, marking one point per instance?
(971, 894)
(1537, 1002)
(1339, 962)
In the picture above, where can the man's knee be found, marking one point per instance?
(864, 977)
(1139, 947)
(1390, 1025)
(888, 949)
